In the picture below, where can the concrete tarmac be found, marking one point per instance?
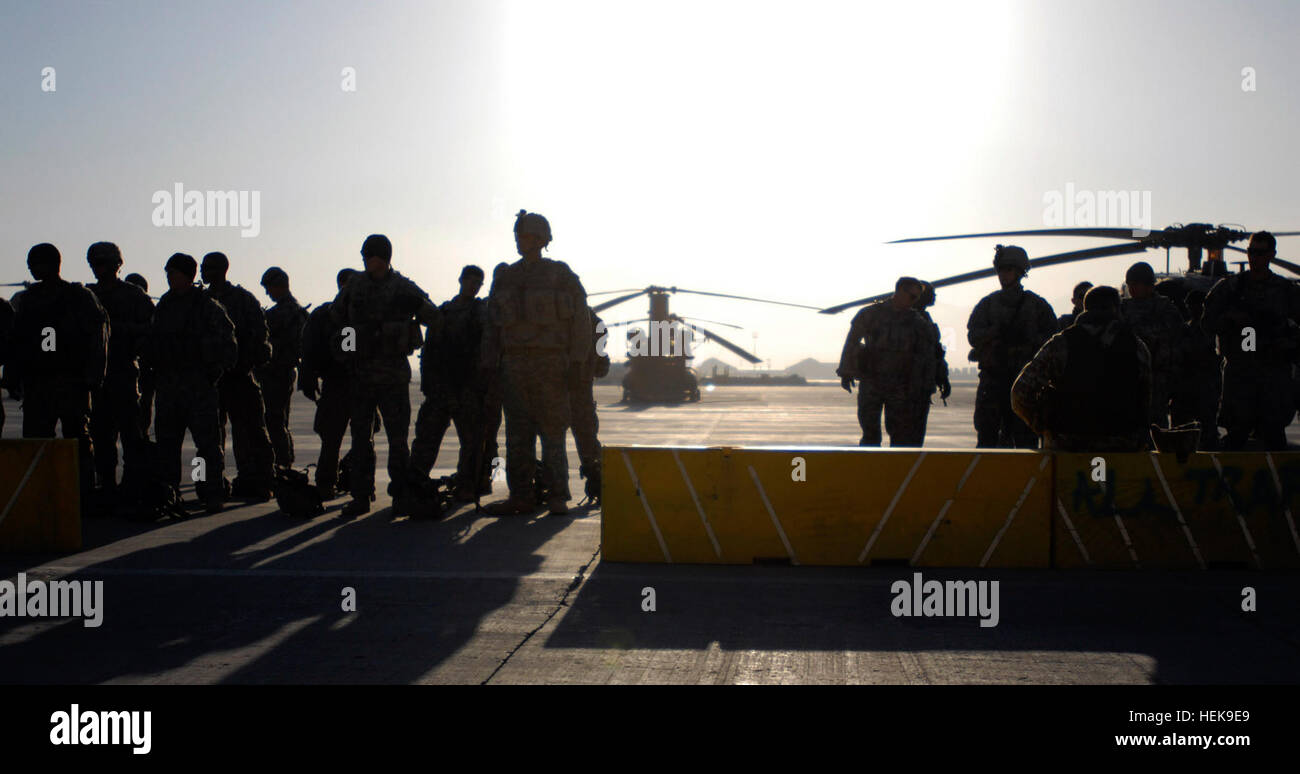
(253, 596)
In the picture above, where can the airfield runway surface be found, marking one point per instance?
(253, 596)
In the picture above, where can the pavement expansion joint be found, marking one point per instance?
(563, 602)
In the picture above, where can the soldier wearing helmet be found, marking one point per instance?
(376, 311)
(1254, 314)
(890, 350)
(115, 407)
(1160, 326)
(58, 356)
(1005, 329)
(540, 335)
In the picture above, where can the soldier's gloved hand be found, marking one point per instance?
(311, 391)
(847, 384)
(945, 388)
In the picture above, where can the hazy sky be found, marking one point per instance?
(764, 149)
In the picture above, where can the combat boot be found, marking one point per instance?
(513, 506)
(355, 508)
(557, 506)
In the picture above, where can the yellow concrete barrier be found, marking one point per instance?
(40, 506)
(826, 506)
(1150, 511)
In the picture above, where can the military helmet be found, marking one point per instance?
(138, 280)
(532, 223)
(1013, 256)
(103, 252)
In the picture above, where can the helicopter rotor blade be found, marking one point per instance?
(742, 298)
(607, 292)
(1294, 268)
(1111, 233)
(723, 342)
(1046, 260)
(715, 322)
(619, 300)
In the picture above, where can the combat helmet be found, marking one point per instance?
(1013, 256)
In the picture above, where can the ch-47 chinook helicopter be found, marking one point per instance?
(657, 362)
(1194, 237)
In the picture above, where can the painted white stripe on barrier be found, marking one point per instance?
(646, 504)
(1014, 510)
(775, 521)
(1060, 507)
(717, 550)
(862, 557)
(1127, 543)
(1240, 519)
(1277, 482)
(948, 504)
(22, 484)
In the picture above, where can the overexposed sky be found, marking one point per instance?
(763, 149)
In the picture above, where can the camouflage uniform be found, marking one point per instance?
(6, 331)
(1088, 388)
(940, 378)
(1158, 323)
(241, 396)
(284, 322)
(322, 361)
(582, 404)
(449, 379)
(1197, 385)
(1257, 395)
(380, 314)
(895, 368)
(116, 406)
(1005, 330)
(191, 341)
(57, 384)
(541, 334)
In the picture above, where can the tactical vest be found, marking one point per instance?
(383, 320)
(120, 303)
(453, 348)
(46, 307)
(534, 306)
(1275, 340)
(1100, 392)
(250, 323)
